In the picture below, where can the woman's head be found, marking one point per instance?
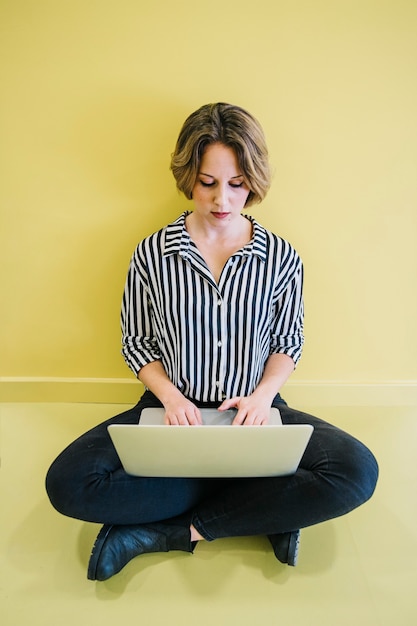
(231, 126)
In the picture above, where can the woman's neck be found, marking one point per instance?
(237, 232)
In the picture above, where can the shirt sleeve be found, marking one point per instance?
(139, 343)
(287, 336)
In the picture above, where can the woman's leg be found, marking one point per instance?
(337, 474)
(87, 481)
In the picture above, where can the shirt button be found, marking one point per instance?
(219, 344)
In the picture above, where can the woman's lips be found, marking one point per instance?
(218, 215)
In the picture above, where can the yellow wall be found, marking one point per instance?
(93, 95)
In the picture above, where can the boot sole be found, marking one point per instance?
(96, 552)
(293, 548)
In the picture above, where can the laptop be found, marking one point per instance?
(215, 449)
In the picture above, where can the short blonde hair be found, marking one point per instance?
(229, 125)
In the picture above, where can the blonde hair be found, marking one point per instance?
(229, 125)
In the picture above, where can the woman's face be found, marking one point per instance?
(220, 192)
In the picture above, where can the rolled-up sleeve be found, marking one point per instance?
(287, 336)
(139, 344)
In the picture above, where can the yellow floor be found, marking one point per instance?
(359, 569)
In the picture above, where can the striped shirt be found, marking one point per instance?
(213, 339)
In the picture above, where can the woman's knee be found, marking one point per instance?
(75, 480)
(343, 462)
(369, 472)
(83, 469)
(358, 470)
(57, 489)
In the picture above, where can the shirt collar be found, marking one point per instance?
(177, 239)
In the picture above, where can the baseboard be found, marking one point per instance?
(337, 393)
(87, 390)
(300, 393)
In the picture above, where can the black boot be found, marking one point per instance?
(115, 546)
(286, 546)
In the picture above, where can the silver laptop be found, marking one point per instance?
(214, 450)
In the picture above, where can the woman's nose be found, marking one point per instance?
(220, 198)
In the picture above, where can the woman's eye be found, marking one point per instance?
(212, 183)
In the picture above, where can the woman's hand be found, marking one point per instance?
(182, 413)
(178, 410)
(251, 412)
(256, 408)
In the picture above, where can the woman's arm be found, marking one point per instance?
(178, 410)
(255, 409)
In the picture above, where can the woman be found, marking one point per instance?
(212, 316)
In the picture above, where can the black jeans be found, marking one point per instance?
(337, 473)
